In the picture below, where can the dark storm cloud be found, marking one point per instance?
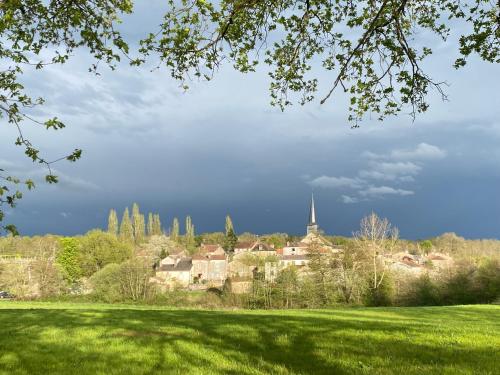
(220, 148)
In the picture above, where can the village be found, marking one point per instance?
(211, 266)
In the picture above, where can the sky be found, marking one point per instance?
(220, 148)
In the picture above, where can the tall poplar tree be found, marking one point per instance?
(113, 222)
(137, 223)
(151, 224)
(141, 229)
(157, 225)
(189, 235)
(189, 223)
(229, 224)
(174, 233)
(126, 230)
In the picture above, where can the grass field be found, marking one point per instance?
(54, 338)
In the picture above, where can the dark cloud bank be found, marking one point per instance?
(220, 148)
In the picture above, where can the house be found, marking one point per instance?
(298, 260)
(242, 247)
(209, 268)
(257, 247)
(295, 248)
(211, 249)
(310, 241)
(174, 270)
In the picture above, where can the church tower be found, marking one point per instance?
(312, 227)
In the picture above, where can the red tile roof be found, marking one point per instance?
(244, 245)
(210, 248)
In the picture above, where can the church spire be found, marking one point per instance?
(312, 211)
(312, 227)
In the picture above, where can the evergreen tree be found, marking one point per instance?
(113, 222)
(229, 224)
(174, 233)
(230, 240)
(126, 230)
(151, 224)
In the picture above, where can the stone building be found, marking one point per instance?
(174, 270)
(254, 247)
(209, 268)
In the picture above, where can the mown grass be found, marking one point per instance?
(65, 338)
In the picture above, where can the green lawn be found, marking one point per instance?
(54, 338)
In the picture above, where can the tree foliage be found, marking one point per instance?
(138, 224)
(157, 229)
(189, 236)
(368, 46)
(378, 238)
(113, 222)
(229, 225)
(98, 248)
(150, 230)
(174, 231)
(230, 240)
(128, 281)
(68, 259)
(126, 229)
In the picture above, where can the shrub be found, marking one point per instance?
(216, 291)
(487, 281)
(422, 291)
(128, 281)
(105, 283)
(383, 295)
(458, 289)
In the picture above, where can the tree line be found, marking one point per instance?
(108, 266)
(133, 228)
